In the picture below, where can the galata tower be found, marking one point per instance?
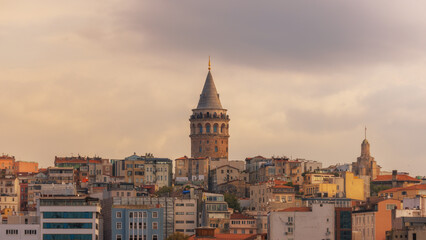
(209, 124)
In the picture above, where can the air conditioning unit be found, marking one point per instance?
(286, 233)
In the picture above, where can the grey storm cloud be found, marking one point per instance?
(302, 35)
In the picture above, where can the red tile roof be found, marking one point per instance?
(296, 209)
(240, 216)
(414, 187)
(403, 178)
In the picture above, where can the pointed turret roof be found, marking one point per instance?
(209, 98)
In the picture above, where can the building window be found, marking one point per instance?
(118, 237)
(207, 128)
(30, 232)
(118, 225)
(155, 225)
(200, 149)
(216, 149)
(154, 237)
(154, 214)
(11, 231)
(118, 215)
(390, 206)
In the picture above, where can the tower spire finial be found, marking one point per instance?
(365, 133)
(210, 65)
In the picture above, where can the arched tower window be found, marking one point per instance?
(200, 128)
(222, 128)
(216, 149)
(215, 115)
(208, 128)
(215, 126)
(207, 114)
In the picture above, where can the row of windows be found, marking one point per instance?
(185, 230)
(183, 213)
(30, 232)
(67, 236)
(136, 237)
(119, 225)
(12, 232)
(67, 225)
(182, 222)
(137, 214)
(182, 204)
(223, 128)
(243, 231)
(216, 149)
(67, 215)
(243, 222)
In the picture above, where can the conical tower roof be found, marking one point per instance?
(209, 98)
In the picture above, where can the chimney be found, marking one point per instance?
(394, 179)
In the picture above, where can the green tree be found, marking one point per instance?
(164, 191)
(178, 236)
(375, 189)
(232, 201)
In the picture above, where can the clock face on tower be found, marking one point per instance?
(209, 124)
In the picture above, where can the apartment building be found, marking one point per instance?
(221, 175)
(214, 211)
(242, 224)
(270, 195)
(186, 216)
(317, 222)
(192, 170)
(372, 221)
(20, 231)
(10, 193)
(61, 174)
(70, 218)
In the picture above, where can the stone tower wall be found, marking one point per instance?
(209, 133)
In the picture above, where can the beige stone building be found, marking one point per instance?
(209, 124)
(192, 170)
(271, 195)
(223, 175)
(185, 215)
(239, 188)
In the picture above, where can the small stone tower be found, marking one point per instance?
(365, 164)
(209, 124)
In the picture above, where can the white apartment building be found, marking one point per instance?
(69, 218)
(302, 223)
(20, 231)
(185, 216)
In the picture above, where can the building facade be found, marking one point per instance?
(76, 218)
(317, 222)
(186, 216)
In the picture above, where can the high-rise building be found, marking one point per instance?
(209, 124)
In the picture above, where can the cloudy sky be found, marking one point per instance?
(299, 78)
